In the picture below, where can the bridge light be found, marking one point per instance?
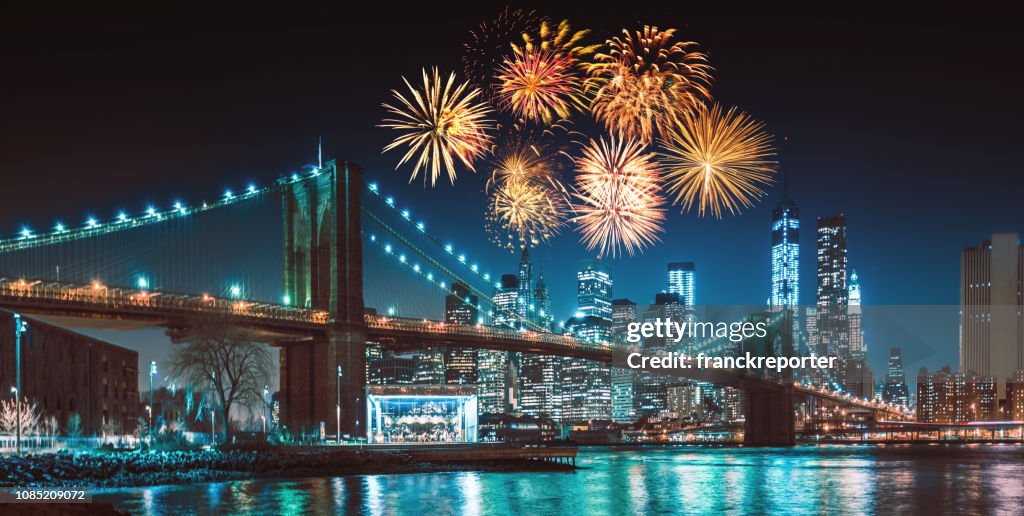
(448, 247)
(295, 177)
(26, 233)
(252, 188)
(416, 267)
(142, 283)
(497, 284)
(286, 299)
(430, 276)
(122, 217)
(373, 238)
(421, 226)
(96, 285)
(401, 258)
(373, 187)
(442, 284)
(236, 291)
(180, 208)
(59, 228)
(462, 258)
(391, 310)
(151, 211)
(405, 214)
(92, 223)
(474, 267)
(228, 195)
(390, 201)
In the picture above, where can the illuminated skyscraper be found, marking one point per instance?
(681, 281)
(991, 306)
(832, 296)
(895, 391)
(857, 348)
(460, 307)
(785, 254)
(492, 381)
(542, 299)
(506, 302)
(524, 301)
(594, 287)
(623, 380)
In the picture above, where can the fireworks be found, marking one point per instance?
(491, 41)
(540, 86)
(440, 121)
(717, 160)
(645, 81)
(560, 40)
(522, 213)
(620, 203)
(526, 204)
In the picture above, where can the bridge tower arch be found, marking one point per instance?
(322, 268)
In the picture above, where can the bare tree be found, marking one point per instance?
(31, 417)
(74, 425)
(218, 355)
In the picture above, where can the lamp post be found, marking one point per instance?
(19, 328)
(152, 372)
(266, 392)
(337, 413)
(213, 427)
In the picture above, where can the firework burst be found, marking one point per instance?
(523, 158)
(717, 160)
(620, 203)
(440, 121)
(560, 39)
(644, 81)
(539, 86)
(491, 41)
(522, 213)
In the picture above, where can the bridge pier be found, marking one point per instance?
(768, 413)
(323, 269)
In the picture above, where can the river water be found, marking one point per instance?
(907, 479)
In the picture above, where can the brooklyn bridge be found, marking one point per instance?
(320, 321)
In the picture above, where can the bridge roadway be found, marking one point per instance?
(282, 324)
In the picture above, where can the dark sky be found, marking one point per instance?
(906, 122)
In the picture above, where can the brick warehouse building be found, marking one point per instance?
(64, 371)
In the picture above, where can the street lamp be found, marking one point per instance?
(19, 328)
(266, 392)
(338, 408)
(152, 372)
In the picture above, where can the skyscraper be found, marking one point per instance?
(524, 301)
(895, 391)
(506, 302)
(623, 380)
(542, 298)
(594, 288)
(991, 301)
(460, 307)
(832, 295)
(681, 281)
(785, 254)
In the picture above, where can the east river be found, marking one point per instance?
(866, 479)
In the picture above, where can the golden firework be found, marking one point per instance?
(523, 158)
(560, 39)
(539, 86)
(523, 213)
(717, 159)
(644, 81)
(620, 203)
(491, 41)
(440, 121)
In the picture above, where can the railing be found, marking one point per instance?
(99, 296)
(422, 326)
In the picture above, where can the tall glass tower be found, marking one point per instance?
(681, 277)
(785, 255)
(594, 282)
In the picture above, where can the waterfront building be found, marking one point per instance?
(1014, 407)
(991, 306)
(948, 397)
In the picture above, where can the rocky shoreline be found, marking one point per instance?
(129, 469)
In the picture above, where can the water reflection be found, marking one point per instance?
(802, 480)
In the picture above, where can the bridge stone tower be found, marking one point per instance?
(323, 269)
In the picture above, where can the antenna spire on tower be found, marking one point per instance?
(320, 153)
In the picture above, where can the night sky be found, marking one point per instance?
(906, 122)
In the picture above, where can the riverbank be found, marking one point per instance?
(128, 469)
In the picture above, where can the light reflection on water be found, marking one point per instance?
(801, 480)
